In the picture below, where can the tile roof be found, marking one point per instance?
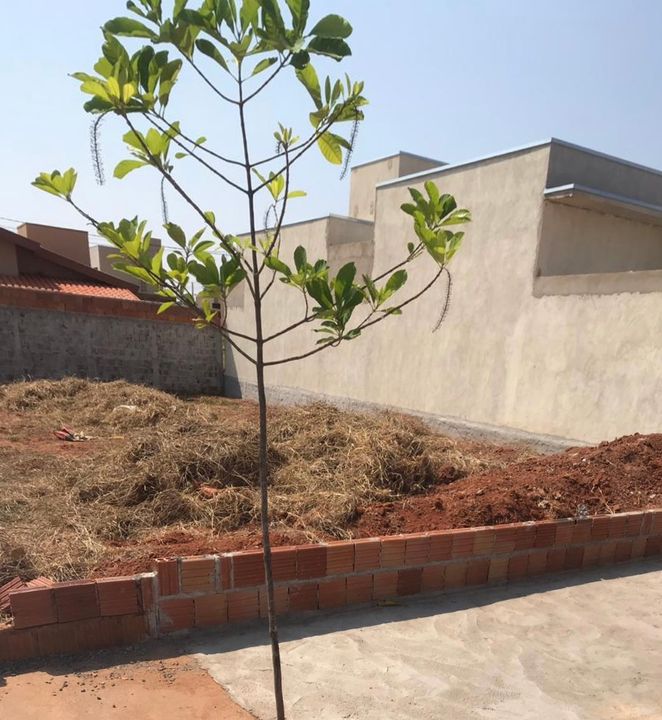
(69, 287)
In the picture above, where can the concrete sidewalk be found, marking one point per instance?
(584, 647)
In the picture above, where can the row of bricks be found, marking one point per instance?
(242, 605)
(246, 569)
(74, 637)
(45, 300)
(81, 600)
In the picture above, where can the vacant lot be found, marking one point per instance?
(159, 475)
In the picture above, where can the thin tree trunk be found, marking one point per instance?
(262, 400)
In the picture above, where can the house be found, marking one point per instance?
(555, 319)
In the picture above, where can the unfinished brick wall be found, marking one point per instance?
(53, 335)
(215, 590)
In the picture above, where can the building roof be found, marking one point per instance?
(69, 287)
(96, 276)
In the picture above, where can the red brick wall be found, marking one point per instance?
(185, 593)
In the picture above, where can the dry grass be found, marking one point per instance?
(62, 514)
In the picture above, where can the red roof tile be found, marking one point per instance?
(70, 287)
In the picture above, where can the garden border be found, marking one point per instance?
(219, 590)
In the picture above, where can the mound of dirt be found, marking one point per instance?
(617, 476)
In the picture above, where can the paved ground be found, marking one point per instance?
(113, 685)
(538, 651)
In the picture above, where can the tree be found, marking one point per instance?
(238, 50)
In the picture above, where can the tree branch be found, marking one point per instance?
(268, 80)
(210, 83)
(362, 326)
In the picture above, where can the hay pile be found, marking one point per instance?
(193, 464)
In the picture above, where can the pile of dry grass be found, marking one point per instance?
(324, 464)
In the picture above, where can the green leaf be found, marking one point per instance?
(248, 13)
(308, 78)
(300, 258)
(344, 279)
(126, 166)
(165, 306)
(296, 194)
(332, 26)
(276, 264)
(395, 282)
(330, 47)
(206, 47)
(299, 10)
(128, 27)
(330, 147)
(176, 234)
(157, 262)
(263, 65)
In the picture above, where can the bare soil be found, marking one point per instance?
(164, 476)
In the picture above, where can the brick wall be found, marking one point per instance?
(53, 335)
(215, 590)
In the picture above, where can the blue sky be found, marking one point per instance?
(448, 79)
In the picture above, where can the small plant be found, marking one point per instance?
(240, 50)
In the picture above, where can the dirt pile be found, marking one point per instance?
(625, 474)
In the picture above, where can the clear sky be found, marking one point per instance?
(451, 79)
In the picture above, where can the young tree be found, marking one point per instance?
(238, 49)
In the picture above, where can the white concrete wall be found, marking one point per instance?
(580, 366)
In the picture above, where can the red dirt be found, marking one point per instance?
(617, 476)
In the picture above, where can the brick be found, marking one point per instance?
(638, 547)
(134, 629)
(284, 563)
(198, 575)
(525, 537)
(340, 558)
(176, 614)
(616, 526)
(504, 538)
(332, 593)
(600, 528)
(581, 532)
(409, 581)
(167, 572)
(441, 544)
(564, 531)
(574, 557)
(118, 596)
(243, 605)
(281, 600)
(432, 579)
(76, 600)
(607, 553)
(555, 559)
(393, 551)
(545, 533)
(591, 556)
(417, 550)
(484, 541)
(463, 543)
(18, 645)
(518, 566)
(385, 585)
(359, 589)
(655, 522)
(33, 607)
(147, 594)
(210, 610)
(653, 546)
(367, 554)
(633, 522)
(478, 571)
(456, 575)
(623, 551)
(498, 569)
(248, 569)
(224, 571)
(311, 561)
(303, 597)
(646, 522)
(537, 562)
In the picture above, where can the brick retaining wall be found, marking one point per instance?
(214, 590)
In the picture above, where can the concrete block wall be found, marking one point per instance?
(54, 335)
(217, 590)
